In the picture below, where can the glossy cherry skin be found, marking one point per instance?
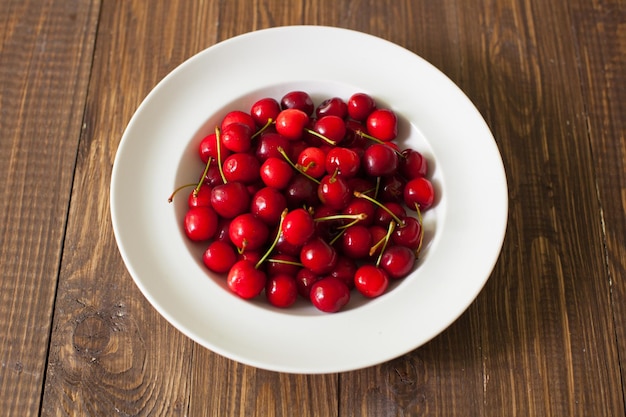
(356, 242)
(419, 191)
(208, 148)
(329, 294)
(219, 257)
(312, 161)
(334, 192)
(263, 110)
(236, 137)
(371, 281)
(247, 232)
(298, 227)
(200, 223)
(298, 100)
(241, 167)
(245, 280)
(280, 263)
(379, 160)
(201, 198)
(291, 123)
(360, 106)
(269, 144)
(413, 164)
(409, 234)
(318, 256)
(238, 116)
(301, 190)
(344, 270)
(267, 204)
(230, 199)
(281, 290)
(305, 278)
(331, 127)
(382, 124)
(276, 173)
(360, 206)
(344, 161)
(397, 261)
(334, 106)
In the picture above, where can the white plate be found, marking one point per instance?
(465, 229)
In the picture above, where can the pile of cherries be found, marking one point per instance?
(297, 200)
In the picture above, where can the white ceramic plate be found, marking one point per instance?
(465, 229)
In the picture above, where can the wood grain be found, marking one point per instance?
(45, 59)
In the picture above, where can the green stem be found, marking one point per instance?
(392, 226)
(261, 130)
(322, 137)
(379, 204)
(294, 166)
(273, 245)
(206, 169)
(218, 143)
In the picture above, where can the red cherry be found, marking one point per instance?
(230, 199)
(298, 100)
(344, 161)
(334, 192)
(241, 167)
(219, 257)
(413, 165)
(305, 278)
(312, 161)
(280, 263)
(356, 242)
(276, 173)
(301, 191)
(329, 294)
(291, 123)
(267, 204)
(333, 106)
(409, 234)
(331, 127)
(344, 270)
(269, 144)
(379, 160)
(264, 110)
(281, 290)
(397, 261)
(245, 280)
(419, 191)
(236, 137)
(248, 232)
(298, 227)
(200, 198)
(318, 256)
(371, 281)
(382, 124)
(200, 223)
(361, 206)
(238, 116)
(208, 148)
(360, 106)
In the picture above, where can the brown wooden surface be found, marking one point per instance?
(547, 335)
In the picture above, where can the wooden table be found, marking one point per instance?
(547, 335)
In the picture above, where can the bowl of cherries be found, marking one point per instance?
(303, 200)
(292, 205)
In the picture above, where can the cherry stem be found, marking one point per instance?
(392, 226)
(171, 197)
(206, 169)
(354, 217)
(419, 220)
(294, 166)
(285, 262)
(322, 137)
(373, 139)
(275, 242)
(218, 141)
(264, 128)
(377, 189)
(382, 206)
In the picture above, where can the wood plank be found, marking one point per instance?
(546, 322)
(601, 32)
(46, 58)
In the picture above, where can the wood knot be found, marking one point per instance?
(91, 336)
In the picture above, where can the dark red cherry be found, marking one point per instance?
(419, 191)
(360, 106)
(409, 234)
(298, 100)
(397, 261)
(318, 256)
(334, 106)
(356, 242)
(379, 160)
(413, 165)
